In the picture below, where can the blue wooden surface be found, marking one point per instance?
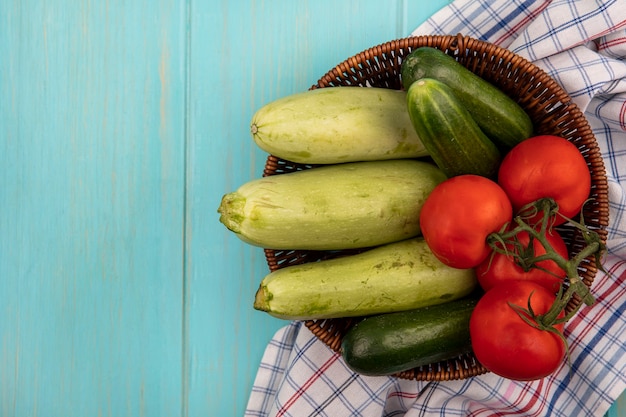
(122, 123)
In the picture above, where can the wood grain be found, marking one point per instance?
(92, 190)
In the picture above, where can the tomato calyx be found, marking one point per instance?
(546, 208)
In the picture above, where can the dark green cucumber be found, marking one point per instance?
(395, 342)
(453, 139)
(501, 118)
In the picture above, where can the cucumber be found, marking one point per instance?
(392, 343)
(335, 125)
(344, 206)
(394, 277)
(501, 118)
(452, 137)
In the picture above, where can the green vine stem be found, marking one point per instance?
(500, 241)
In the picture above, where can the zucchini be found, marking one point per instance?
(335, 125)
(452, 137)
(392, 343)
(344, 206)
(394, 277)
(501, 118)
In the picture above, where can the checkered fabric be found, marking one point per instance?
(582, 44)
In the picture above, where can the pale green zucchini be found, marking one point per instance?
(395, 277)
(344, 206)
(339, 124)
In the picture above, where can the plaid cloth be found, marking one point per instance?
(582, 44)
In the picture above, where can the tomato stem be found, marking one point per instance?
(574, 286)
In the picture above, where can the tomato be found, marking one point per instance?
(546, 166)
(500, 267)
(508, 346)
(459, 214)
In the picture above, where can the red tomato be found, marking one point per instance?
(459, 214)
(501, 268)
(508, 346)
(546, 166)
